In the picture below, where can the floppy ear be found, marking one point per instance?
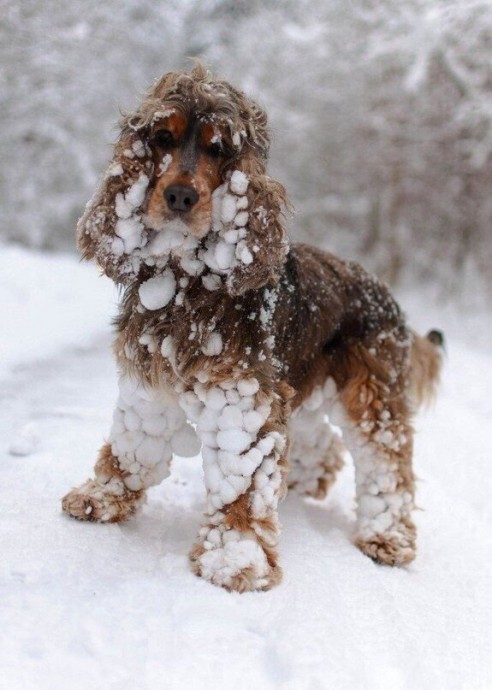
(111, 229)
(263, 250)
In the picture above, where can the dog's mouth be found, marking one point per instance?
(171, 236)
(175, 232)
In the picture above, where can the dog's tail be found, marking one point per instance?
(426, 357)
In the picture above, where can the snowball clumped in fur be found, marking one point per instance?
(237, 458)
(148, 427)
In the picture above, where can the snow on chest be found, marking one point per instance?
(158, 291)
(225, 247)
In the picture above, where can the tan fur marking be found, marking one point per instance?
(91, 503)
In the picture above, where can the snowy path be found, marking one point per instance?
(93, 606)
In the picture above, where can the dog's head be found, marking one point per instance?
(185, 142)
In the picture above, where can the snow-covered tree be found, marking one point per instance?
(67, 68)
(381, 113)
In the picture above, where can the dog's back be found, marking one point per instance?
(326, 303)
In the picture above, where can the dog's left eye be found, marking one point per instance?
(215, 150)
(163, 138)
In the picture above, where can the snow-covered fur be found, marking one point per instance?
(232, 340)
(122, 224)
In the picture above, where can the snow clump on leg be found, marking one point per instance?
(148, 427)
(381, 448)
(243, 481)
(316, 452)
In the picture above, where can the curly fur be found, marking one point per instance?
(246, 125)
(256, 349)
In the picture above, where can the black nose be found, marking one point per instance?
(180, 198)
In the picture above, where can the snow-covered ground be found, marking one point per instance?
(48, 302)
(116, 606)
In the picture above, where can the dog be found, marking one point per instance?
(233, 341)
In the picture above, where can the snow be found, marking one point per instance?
(312, 437)
(138, 148)
(225, 245)
(114, 170)
(167, 159)
(229, 208)
(243, 553)
(227, 476)
(239, 183)
(48, 303)
(166, 239)
(145, 238)
(375, 474)
(224, 255)
(156, 292)
(128, 203)
(212, 282)
(117, 605)
(247, 387)
(234, 441)
(129, 226)
(25, 443)
(148, 426)
(213, 345)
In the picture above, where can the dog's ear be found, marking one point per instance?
(111, 229)
(263, 249)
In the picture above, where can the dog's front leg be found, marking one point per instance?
(148, 427)
(243, 429)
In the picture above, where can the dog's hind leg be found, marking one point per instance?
(374, 413)
(243, 427)
(316, 450)
(148, 427)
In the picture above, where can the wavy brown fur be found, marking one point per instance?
(243, 124)
(295, 319)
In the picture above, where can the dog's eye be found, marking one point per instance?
(215, 150)
(164, 139)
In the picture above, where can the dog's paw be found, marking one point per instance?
(240, 565)
(393, 548)
(96, 502)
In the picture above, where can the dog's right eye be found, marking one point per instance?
(164, 139)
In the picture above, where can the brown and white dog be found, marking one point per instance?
(255, 341)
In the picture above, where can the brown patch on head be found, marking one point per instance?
(209, 135)
(187, 158)
(176, 122)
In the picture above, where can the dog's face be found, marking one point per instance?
(189, 155)
(190, 137)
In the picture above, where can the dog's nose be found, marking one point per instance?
(180, 198)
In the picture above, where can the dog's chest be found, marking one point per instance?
(198, 331)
